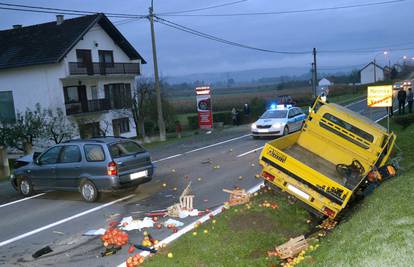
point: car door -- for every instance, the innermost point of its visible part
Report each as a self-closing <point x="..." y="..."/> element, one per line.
<point x="43" y="172"/>
<point x="291" y="120"/>
<point x="300" y="117"/>
<point x="69" y="167"/>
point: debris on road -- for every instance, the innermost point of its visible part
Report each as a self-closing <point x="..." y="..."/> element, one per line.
<point x="42" y="252"/>
<point x="185" y="207"/>
<point x="109" y="251"/>
<point x="216" y="167"/>
<point x="114" y="237"/>
<point x="129" y="224"/>
<point x="237" y="197"/>
<point x="328" y="224"/>
<point x="58" y="232"/>
<point x="208" y="161"/>
<point x="94" y="232"/>
<point x="173" y="223"/>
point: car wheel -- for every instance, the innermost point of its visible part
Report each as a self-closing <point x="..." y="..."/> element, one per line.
<point x="25" y="187"/>
<point x="89" y="191"/>
<point x="285" y="131"/>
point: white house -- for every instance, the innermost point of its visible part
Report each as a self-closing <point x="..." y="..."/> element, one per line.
<point x="325" y="82"/>
<point x="84" y="66"/>
<point x="371" y="73"/>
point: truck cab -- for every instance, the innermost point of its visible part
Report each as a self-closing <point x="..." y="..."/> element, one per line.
<point x="326" y="162"/>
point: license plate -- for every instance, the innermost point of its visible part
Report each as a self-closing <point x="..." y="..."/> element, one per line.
<point x="263" y="130"/>
<point x="138" y="175"/>
<point x="298" y="192"/>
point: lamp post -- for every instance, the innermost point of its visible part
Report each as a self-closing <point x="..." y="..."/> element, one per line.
<point x="385" y="53"/>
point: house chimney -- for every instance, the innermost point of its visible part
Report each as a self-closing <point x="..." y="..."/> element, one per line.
<point x="59" y="19"/>
<point x="17" y="26"/>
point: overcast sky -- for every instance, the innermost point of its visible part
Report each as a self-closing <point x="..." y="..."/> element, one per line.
<point x="385" y="26"/>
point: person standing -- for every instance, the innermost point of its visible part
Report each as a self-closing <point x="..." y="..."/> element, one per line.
<point x="410" y="99"/>
<point x="402" y="96"/>
<point x="234" y="116"/>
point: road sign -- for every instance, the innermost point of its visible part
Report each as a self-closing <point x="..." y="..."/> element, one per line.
<point x="205" y="115"/>
<point x="379" y="96"/>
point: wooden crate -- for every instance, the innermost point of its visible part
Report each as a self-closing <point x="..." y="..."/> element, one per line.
<point x="292" y="248"/>
<point x="237" y="196"/>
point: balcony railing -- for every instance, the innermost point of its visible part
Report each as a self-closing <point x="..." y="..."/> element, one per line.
<point x="97" y="68"/>
<point x="95" y="105"/>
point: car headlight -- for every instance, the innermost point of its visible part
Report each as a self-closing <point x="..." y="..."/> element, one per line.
<point x="277" y="125"/>
<point x="254" y="126"/>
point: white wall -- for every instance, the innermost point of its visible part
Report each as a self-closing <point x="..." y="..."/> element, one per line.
<point x="36" y="84"/>
<point x="97" y="35"/>
<point x="367" y="74"/>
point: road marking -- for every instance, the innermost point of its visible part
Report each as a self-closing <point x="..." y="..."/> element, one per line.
<point x="353" y="103"/>
<point x="38" y="230"/>
<point x="192" y="225"/>
<point x="170" y="157"/>
<point x="383" y="117"/>
<point x="201" y="148"/>
<point x="217" y="144"/>
<point x="20" y="200"/>
<point x="251" y="151"/>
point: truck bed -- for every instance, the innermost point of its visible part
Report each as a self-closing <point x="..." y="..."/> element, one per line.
<point x="315" y="162"/>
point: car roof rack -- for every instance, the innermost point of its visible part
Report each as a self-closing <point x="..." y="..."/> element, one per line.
<point x="83" y="141"/>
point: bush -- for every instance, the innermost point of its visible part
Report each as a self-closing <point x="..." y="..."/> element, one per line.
<point x="404" y="120"/>
<point x="193" y="122"/>
<point x="224" y="117"/>
<point x="257" y="107"/>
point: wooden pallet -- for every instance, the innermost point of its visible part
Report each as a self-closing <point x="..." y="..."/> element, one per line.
<point x="237" y="196"/>
<point x="292" y="248"/>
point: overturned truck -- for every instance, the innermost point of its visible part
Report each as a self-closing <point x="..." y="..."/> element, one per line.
<point x="335" y="156"/>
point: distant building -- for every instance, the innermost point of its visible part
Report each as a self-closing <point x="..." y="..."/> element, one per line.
<point x="325" y="82"/>
<point x="371" y="73"/>
<point x="83" y="66"/>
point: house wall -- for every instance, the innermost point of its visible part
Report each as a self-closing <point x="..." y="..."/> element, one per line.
<point x="44" y="84"/>
<point x="367" y="74"/>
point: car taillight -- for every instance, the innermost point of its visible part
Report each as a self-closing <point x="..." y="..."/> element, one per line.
<point x="328" y="212"/>
<point x="112" y="168"/>
<point x="268" y="176"/>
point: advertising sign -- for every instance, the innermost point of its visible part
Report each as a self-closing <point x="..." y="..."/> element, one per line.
<point x="379" y="96"/>
<point x="205" y="114"/>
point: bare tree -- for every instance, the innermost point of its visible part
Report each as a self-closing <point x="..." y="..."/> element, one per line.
<point x="58" y="128"/>
<point x="142" y="93"/>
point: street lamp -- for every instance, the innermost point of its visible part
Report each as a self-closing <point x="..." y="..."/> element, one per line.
<point x="385" y="53"/>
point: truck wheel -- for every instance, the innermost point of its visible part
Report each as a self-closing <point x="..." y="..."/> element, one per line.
<point x="25" y="187"/>
<point x="89" y="191"/>
<point x="285" y="131"/>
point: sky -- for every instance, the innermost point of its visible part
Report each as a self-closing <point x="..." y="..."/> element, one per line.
<point x="383" y="27"/>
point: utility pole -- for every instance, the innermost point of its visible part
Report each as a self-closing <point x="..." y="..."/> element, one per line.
<point x="161" y="124"/>
<point x="375" y="71"/>
<point x="315" y="81"/>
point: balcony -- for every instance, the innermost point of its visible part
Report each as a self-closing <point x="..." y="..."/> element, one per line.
<point x="95" y="105"/>
<point x="96" y="68"/>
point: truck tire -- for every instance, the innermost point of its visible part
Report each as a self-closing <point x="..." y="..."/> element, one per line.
<point x="88" y="191"/>
<point x="25" y="187"/>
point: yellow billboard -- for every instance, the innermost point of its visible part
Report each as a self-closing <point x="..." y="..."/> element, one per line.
<point x="379" y="96"/>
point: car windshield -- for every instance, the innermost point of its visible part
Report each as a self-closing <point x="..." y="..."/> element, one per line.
<point x="274" y="114"/>
<point x="124" y="149"/>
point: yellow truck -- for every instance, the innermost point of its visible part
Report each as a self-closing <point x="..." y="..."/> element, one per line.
<point x="335" y="154"/>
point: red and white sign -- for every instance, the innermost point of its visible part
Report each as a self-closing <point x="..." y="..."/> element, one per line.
<point x="205" y="114"/>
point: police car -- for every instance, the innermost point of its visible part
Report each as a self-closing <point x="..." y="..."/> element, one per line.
<point x="278" y="120"/>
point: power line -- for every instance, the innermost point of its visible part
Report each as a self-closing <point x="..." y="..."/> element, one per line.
<point x="221" y="40"/>
<point x="290" y="11"/>
<point x="41" y="9"/>
<point x="203" y="8"/>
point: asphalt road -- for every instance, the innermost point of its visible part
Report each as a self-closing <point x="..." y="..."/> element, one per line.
<point x="210" y="161"/>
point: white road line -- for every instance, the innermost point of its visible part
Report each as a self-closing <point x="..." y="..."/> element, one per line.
<point x="35" y="231"/>
<point x="383" y="117"/>
<point x="20" y="200"/>
<point x="217" y="144"/>
<point x="353" y="103"/>
<point x="201" y="148"/>
<point x="191" y="226"/>
<point x="170" y="157"/>
<point x="251" y="151"/>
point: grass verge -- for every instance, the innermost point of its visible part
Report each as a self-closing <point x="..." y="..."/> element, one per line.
<point x="240" y="236"/>
<point x="379" y="232"/>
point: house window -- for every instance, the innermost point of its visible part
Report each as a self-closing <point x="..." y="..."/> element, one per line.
<point x="7" y="107"/>
<point x="71" y="94"/>
<point x="107" y="57"/>
<point x="94" y="92"/>
<point x="119" y="94"/>
<point x="83" y="56"/>
<point x="120" y="125"/>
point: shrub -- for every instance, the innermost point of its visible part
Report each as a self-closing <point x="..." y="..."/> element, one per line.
<point x="404" y="120"/>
